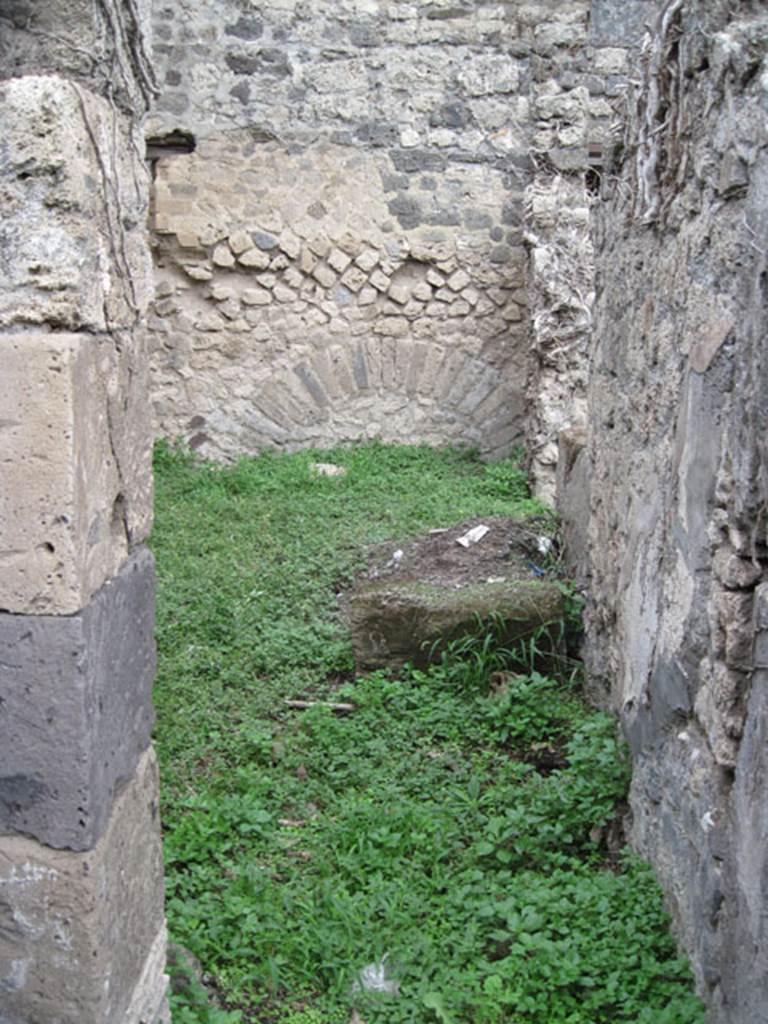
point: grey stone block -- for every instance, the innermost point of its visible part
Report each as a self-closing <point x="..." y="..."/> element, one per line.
<point x="376" y="134"/>
<point x="408" y="161"/>
<point x="360" y="368"/>
<point x="269" y="61"/>
<point x="312" y="384"/>
<point x="395" y="182"/>
<point x="439" y="218"/>
<point x="241" y="92"/>
<point x="407" y="211"/>
<point x="245" y="28"/>
<point x="265" y="241"/>
<point x="242" y="65"/>
<point x="450" y="115"/>
<point x="75" y="699"/>
<point x="620" y="22"/>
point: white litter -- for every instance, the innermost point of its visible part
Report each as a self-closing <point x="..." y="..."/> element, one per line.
<point x="376" y="978"/>
<point x="395" y="560"/>
<point x="544" y="544"/>
<point x="326" y="469"/>
<point x="473" y="536"/>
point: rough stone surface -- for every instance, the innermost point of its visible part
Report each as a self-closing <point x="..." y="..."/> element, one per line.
<point x="613" y="22"/>
<point x="149" y="1003"/>
<point x="572" y="491"/>
<point x="299" y="355"/>
<point x="82" y="936"/>
<point x="75" y="471"/>
<point x="100" y="46"/>
<point x="679" y="483"/>
<point x="393" y="622"/>
<point x="561" y="295"/>
<point x="369" y="150"/>
<point x="73" y="187"/>
<point x="75" y="694"/>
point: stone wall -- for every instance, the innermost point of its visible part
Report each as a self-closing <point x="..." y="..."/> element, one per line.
<point x="82" y="933"/>
<point x="343" y="254"/>
<point x="577" y="110"/>
<point x="295" y="308"/>
<point x="679" y="481"/>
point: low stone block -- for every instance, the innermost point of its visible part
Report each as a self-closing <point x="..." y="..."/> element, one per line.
<point x="75" y="694"/>
<point x="393" y="622"/>
<point x="73" y="235"/>
<point x="76" y="477"/>
<point x="82" y="935"/>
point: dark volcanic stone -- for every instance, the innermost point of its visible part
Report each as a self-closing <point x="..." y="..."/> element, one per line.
<point x="75" y="709"/>
<point x="245" y="28"/>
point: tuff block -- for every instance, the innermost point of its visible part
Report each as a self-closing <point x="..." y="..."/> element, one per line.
<point x="73" y="189"/>
<point x="75" y="707"/>
<point x="75" y="469"/>
<point x="82" y="935"/>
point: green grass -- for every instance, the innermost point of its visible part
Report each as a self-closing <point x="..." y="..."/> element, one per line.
<point x="428" y="826"/>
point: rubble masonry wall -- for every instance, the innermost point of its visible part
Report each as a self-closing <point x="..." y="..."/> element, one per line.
<point x="344" y="254"/>
<point x="676" y="547"/>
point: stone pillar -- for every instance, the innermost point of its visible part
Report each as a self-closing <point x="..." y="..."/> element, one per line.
<point x="82" y="932"/>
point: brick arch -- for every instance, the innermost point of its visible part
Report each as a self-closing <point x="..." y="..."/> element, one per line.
<point x="395" y="389"/>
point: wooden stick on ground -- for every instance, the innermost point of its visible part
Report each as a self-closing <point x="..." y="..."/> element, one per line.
<point x="302" y="705"/>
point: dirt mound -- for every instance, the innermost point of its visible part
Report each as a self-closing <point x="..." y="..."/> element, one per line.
<point x="510" y="550"/>
<point x="414" y="599"/>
